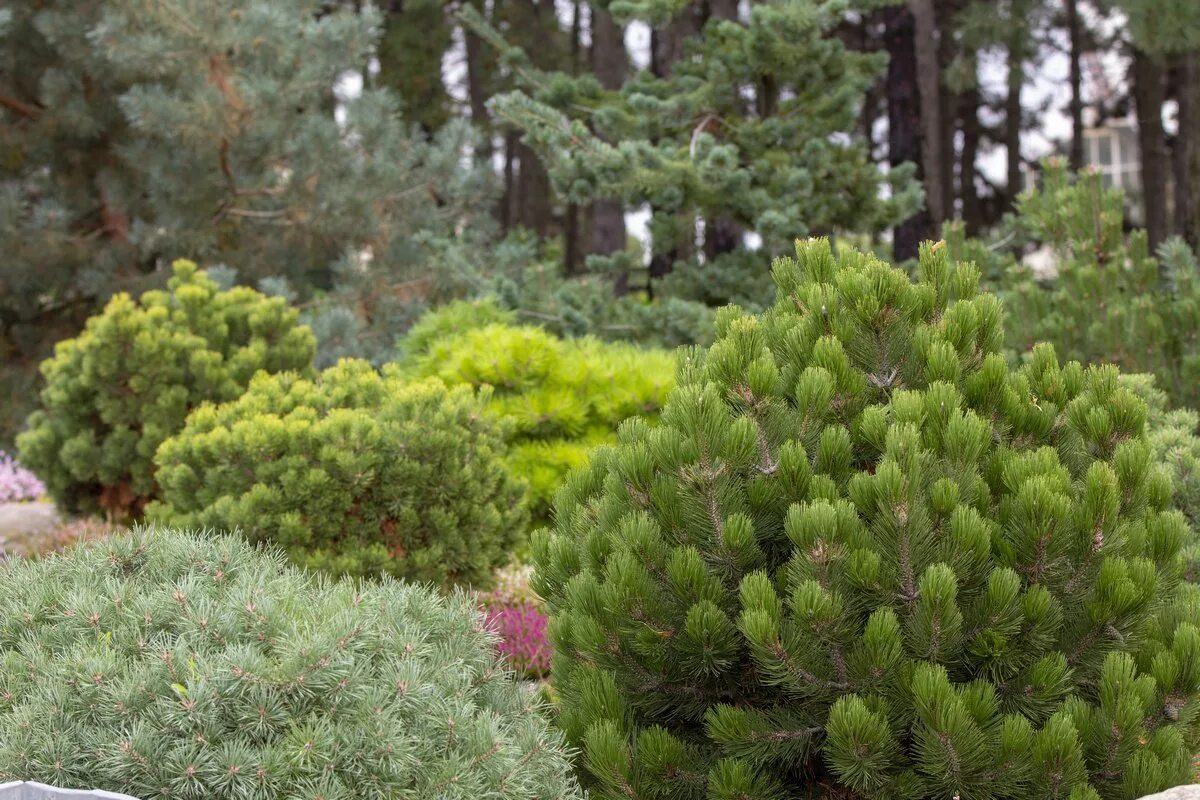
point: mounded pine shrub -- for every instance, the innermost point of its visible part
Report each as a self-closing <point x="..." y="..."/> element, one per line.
<point x="1172" y="433"/>
<point x="127" y="382"/>
<point x="354" y="472"/>
<point x="860" y="557"/>
<point x="161" y="664"/>
<point x="562" y="396"/>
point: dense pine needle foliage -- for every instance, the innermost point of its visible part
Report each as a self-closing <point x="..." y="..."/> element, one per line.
<point x="354" y="472"/>
<point x="127" y="382"/>
<point x="561" y="397"/>
<point x="860" y="557"/>
<point x="161" y="664"/>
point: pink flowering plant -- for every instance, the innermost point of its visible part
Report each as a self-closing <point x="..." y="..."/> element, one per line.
<point x="522" y="631"/>
<point x="515" y="613"/>
<point x="17" y="484"/>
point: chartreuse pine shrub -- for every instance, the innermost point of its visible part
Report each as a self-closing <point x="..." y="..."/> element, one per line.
<point x="162" y="664"/>
<point x="563" y="397"/>
<point x="127" y="382"/>
<point x="354" y="472"/>
<point x="860" y="557"/>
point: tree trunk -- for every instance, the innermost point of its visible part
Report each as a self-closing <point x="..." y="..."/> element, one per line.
<point x="904" y="121"/>
<point x="1075" y="32"/>
<point x="1192" y="87"/>
<point x="609" y="63"/>
<point x="478" y="68"/>
<point x="1187" y="89"/>
<point x="972" y="211"/>
<point x="667" y="43"/>
<point x="948" y="102"/>
<point x="534" y="207"/>
<point x="667" y="46"/>
<point x="573" y="220"/>
<point x="1012" y="120"/>
<point x="723" y="9"/>
<point x="929" y="91"/>
<point x="508" y="201"/>
<point x="1148" y="96"/>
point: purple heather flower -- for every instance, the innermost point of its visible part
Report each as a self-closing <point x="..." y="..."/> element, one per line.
<point x="522" y="630"/>
<point x="16" y="482"/>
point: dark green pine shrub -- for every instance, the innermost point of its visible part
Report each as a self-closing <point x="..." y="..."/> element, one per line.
<point x="859" y="557"/>
<point x="355" y="473"/>
<point x="164" y="665"/>
<point x="563" y="397"/>
<point x="128" y="381"/>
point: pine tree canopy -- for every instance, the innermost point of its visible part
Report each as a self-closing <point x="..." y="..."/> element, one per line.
<point x="861" y="557"/>
<point x="134" y="133"/>
<point x="781" y="163"/>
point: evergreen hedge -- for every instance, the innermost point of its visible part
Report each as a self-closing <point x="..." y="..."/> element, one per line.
<point x="861" y="557"/>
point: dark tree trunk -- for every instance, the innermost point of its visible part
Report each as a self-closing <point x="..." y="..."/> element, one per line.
<point x="972" y="211"/>
<point x="1148" y="96"/>
<point x="609" y="63"/>
<point x="929" y="92"/>
<point x="904" y="120"/>
<point x="724" y="235"/>
<point x="477" y="94"/>
<point x="667" y="46"/>
<point x="1012" y="123"/>
<point x="667" y="43"/>
<point x="478" y="68"/>
<point x="1187" y="89"/>
<point x="723" y="9"/>
<point x="534" y="197"/>
<point x="508" y="201"/>
<point x="573" y="220"/>
<point x="1075" y="32"/>
<point x="947" y="112"/>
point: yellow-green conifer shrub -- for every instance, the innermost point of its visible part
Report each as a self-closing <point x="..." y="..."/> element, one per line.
<point x="562" y="396"/>
<point x="198" y="667"/>
<point x="354" y="472"/>
<point x="860" y="557"/>
<point x="127" y="382"/>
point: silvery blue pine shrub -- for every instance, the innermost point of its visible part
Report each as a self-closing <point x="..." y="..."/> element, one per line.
<point x="860" y="557"/>
<point x="355" y="472"/>
<point x="113" y="393"/>
<point x="164" y="664"/>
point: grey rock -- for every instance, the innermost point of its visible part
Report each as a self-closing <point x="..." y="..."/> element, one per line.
<point x="1178" y="793"/>
<point x="22" y="790"/>
<point x="22" y="525"/>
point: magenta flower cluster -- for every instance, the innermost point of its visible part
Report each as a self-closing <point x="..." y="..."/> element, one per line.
<point x="16" y="482"/>
<point x="522" y="630"/>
